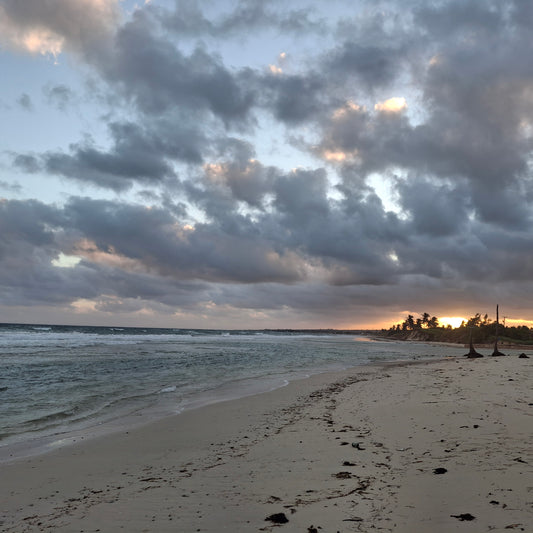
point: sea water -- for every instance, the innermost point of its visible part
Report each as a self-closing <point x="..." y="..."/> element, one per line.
<point x="58" y="379"/>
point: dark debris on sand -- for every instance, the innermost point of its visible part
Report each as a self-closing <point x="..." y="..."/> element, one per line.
<point x="463" y="517"/>
<point x="277" y="518"/>
<point x="342" y="475"/>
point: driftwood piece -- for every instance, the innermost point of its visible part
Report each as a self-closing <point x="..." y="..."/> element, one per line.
<point x="472" y="354"/>
<point x="496" y="352"/>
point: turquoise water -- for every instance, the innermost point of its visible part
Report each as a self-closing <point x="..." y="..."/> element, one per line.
<point x="55" y="379"/>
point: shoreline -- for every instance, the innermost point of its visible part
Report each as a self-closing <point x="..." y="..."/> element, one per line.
<point x="27" y="448"/>
<point x="333" y="451"/>
<point x="42" y="442"/>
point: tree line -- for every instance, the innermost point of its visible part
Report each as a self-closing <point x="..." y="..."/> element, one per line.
<point x="480" y="328"/>
<point x="410" y="324"/>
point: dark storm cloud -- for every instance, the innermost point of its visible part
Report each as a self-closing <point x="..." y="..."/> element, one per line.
<point x="28" y="277"/>
<point x="295" y="99"/>
<point x="27" y="245"/>
<point x="378" y="140"/>
<point x="27" y="221"/>
<point x="156" y="240"/>
<point x="115" y="170"/>
<point x="158" y="77"/>
<point x="141" y="154"/>
<point x="475" y="126"/>
<point x="373" y="66"/>
<point x="475" y="83"/>
<point x="33" y="234"/>
<point x="478" y="94"/>
<point x="246" y="181"/>
<point x="351" y="239"/>
<point x="237" y="177"/>
<point x="144" y="253"/>
<point x="435" y="210"/>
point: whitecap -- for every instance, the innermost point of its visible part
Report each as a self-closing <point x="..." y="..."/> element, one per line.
<point x="172" y="388"/>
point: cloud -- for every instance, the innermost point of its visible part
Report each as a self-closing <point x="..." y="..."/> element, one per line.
<point x="159" y="78"/>
<point x="433" y="100"/>
<point x="245" y="181"/>
<point x="246" y="18"/>
<point x="24" y="101"/>
<point x="373" y="66"/>
<point x="51" y="27"/>
<point x="295" y="99"/>
<point x="465" y="20"/>
<point x="12" y="187"/>
<point x="294" y="256"/>
<point x="59" y="96"/>
<point x="396" y="104"/>
<point x="152" y="237"/>
<point x="435" y="209"/>
<point x="26" y="162"/>
<point x="138" y="154"/>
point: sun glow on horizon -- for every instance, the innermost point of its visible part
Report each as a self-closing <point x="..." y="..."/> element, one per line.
<point x="453" y="321"/>
<point x="515" y="322"/>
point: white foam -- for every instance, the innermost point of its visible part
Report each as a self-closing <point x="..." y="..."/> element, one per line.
<point x="171" y="388"/>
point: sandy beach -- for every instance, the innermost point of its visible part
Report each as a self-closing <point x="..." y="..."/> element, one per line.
<point x="436" y="446"/>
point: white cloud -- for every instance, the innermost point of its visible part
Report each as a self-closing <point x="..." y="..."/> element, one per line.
<point x="346" y="109"/>
<point x="275" y="69"/>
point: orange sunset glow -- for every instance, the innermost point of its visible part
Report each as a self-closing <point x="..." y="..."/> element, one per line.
<point x="453" y="321"/>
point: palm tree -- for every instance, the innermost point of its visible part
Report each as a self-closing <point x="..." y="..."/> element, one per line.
<point x="433" y="322"/>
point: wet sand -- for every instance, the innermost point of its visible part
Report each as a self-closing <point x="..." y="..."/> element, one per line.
<point x="438" y="446"/>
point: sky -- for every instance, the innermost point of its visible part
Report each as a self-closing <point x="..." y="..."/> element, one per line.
<point x="263" y="163"/>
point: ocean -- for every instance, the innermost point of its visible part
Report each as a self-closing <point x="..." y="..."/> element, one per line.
<point x="59" y="381"/>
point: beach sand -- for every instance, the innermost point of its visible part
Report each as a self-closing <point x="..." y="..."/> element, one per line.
<point x="438" y="446"/>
